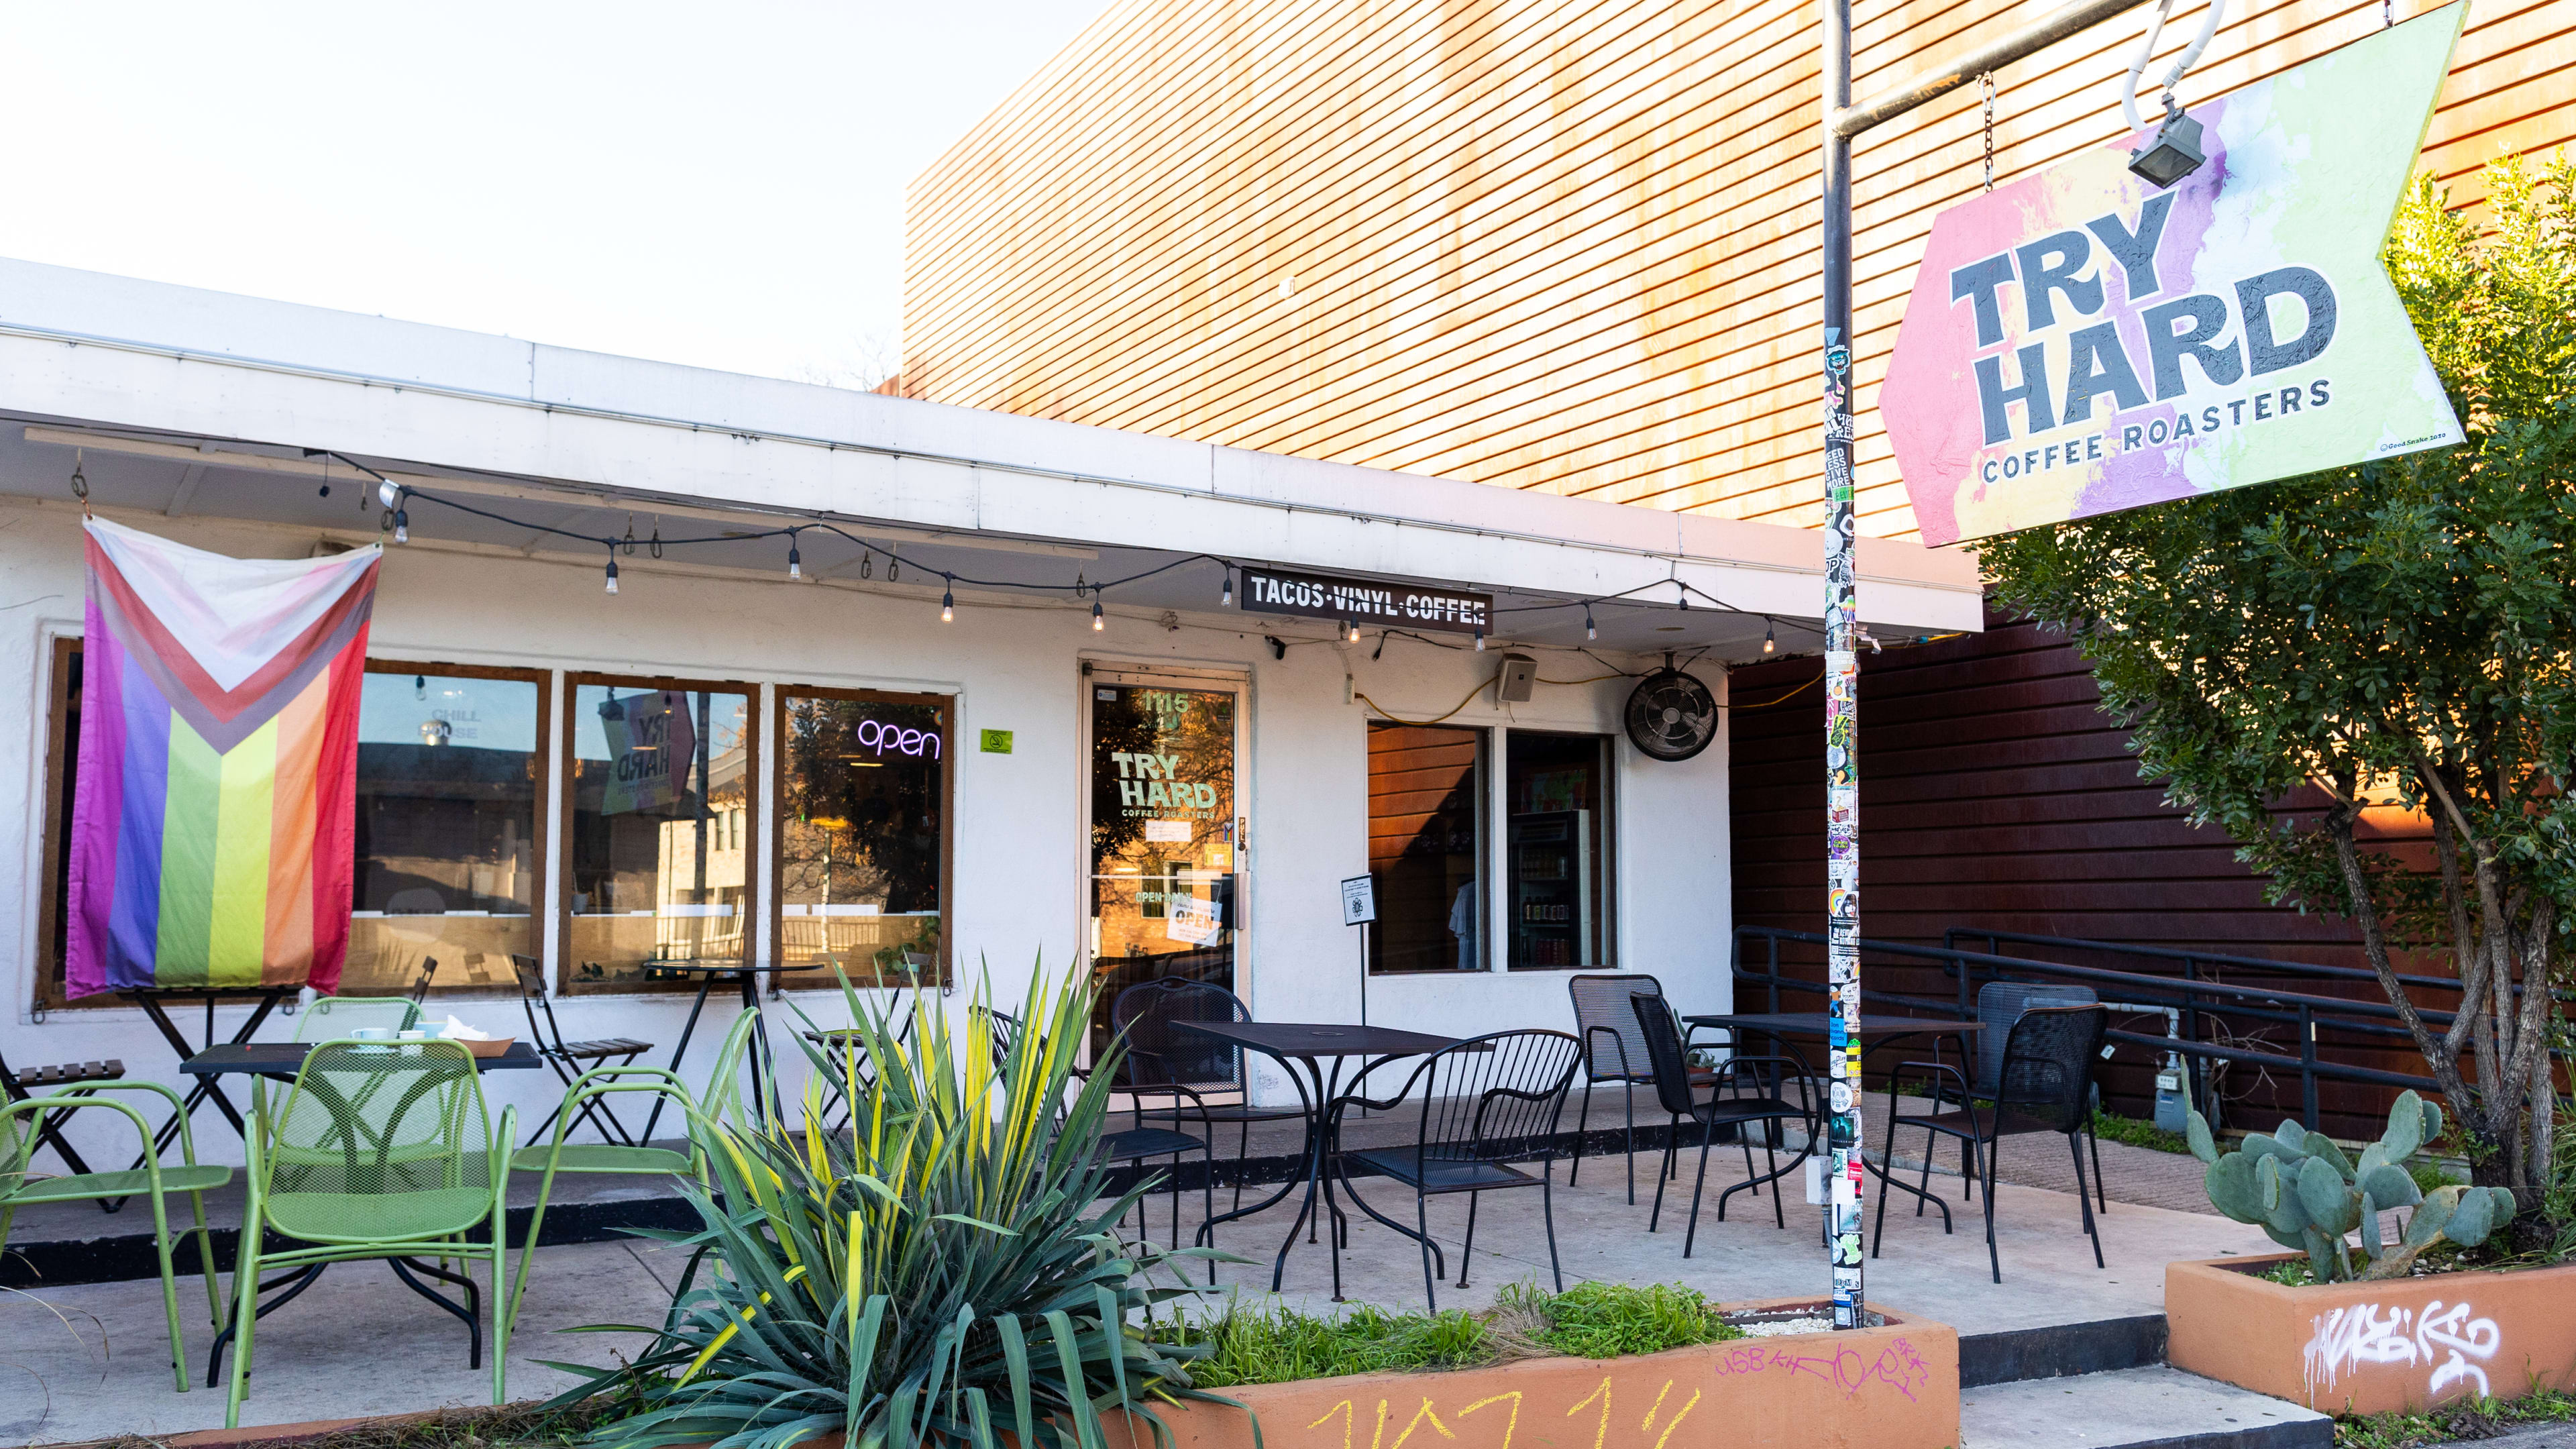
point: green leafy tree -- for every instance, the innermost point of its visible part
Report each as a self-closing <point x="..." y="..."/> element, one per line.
<point x="2397" y="637"/>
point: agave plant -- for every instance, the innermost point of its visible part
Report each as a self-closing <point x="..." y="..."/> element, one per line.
<point x="946" y="1273"/>
<point x="2304" y="1193"/>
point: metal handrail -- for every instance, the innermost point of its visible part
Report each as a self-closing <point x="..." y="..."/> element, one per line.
<point x="2192" y="994"/>
<point x="2191" y="959"/>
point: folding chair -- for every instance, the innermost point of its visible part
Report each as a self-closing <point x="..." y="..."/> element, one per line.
<point x="566" y="1057"/>
<point x="13" y="1088"/>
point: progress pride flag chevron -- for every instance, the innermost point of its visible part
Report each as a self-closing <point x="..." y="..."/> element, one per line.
<point x="213" y="816"/>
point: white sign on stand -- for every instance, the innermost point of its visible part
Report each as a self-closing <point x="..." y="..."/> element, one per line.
<point x="1359" y="907"/>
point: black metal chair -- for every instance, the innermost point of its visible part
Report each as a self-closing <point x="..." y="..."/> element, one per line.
<point x="1159" y="1056"/>
<point x="1729" y="1104"/>
<point x="1138" y="1144"/>
<point x="1999" y="1005"/>
<point x="1614" y="1053"/>
<point x="571" y="1058"/>
<point x="1487" y="1102"/>
<point x="2043" y="1082"/>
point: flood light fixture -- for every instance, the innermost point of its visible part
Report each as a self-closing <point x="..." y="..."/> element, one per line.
<point x="2175" y="152"/>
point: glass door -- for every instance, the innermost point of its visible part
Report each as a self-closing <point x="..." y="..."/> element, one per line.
<point x="1166" y="826"/>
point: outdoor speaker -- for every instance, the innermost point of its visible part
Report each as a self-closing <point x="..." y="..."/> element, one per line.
<point x="1518" y="677"/>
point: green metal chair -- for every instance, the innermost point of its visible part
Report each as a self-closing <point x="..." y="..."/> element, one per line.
<point x="380" y="1150"/>
<point x="20" y="1186"/>
<point x="331" y="1018"/>
<point x="724" y="1090"/>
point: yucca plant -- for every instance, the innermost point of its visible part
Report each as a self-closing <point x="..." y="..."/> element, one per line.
<point x="946" y="1273"/>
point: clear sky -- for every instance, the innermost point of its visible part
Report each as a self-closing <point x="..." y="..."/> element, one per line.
<point x="712" y="184"/>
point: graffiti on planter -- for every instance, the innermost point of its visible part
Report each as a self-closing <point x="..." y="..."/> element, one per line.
<point x="1898" y="1366"/>
<point x="2441" y="1339"/>
<point x="1649" y="1435"/>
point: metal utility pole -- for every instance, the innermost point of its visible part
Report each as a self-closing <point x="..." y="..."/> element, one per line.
<point x="1842" y="122"/>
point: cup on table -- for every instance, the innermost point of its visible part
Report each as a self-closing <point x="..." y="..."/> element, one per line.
<point x="371" y="1033"/>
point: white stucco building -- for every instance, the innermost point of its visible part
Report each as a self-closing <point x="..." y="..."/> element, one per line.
<point x="1166" y="775"/>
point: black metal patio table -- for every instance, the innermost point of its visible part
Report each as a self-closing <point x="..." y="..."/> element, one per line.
<point x="747" y="974"/>
<point x="281" y="1059"/>
<point x="1312" y="1045"/>
<point x="1876" y="1031"/>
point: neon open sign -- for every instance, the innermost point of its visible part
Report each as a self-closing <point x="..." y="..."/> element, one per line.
<point x="895" y="739"/>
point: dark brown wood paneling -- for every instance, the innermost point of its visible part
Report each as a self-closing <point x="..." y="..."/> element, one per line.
<point x="1997" y="795"/>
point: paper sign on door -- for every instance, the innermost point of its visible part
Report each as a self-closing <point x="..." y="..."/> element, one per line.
<point x="1192" y="921"/>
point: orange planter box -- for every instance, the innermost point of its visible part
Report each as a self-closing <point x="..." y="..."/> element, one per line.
<point x="1895" y="1386"/>
<point x="2368" y="1348"/>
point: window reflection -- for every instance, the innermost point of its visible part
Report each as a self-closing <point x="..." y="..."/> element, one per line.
<point x="446" y="829"/>
<point x="1556" y="789"/>
<point x="1425" y="839"/>
<point x="659" y="830"/>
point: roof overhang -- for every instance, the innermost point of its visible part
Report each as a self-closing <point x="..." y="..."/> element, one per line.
<point x="202" y="402"/>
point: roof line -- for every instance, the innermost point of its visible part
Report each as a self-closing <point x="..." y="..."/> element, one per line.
<point x="328" y="374"/>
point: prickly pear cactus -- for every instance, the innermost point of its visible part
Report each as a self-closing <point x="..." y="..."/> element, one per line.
<point x="2306" y="1195"/>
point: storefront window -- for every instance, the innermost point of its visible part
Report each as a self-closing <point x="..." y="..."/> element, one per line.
<point x="658" y="829"/>
<point x="1556" y="789"/>
<point x="863" y="834"/>
<point x="448" y="844"/>
<point x="1426" y="843"/>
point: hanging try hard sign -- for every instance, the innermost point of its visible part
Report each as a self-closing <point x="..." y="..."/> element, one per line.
<point x="2083" y="341"/>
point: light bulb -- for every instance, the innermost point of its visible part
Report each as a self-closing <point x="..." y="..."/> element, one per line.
<point x="1099" y="621"/>
<point x="402" y="525"/>
<point x="795" y="560"/>
<point x="1589" y="632"/>
<point x="947" y="606"/>
<point x="1351" y="631"/>
<point x="612" y="573"/>
<point x="1227" y="598"/>
<point x="1768" y="644"/>
<point x="1480" y="638"/>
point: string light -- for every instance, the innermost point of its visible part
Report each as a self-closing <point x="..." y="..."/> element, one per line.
<point x="1768" y="643"/>
<point x="402" y="525"/>
<point x="1099" y="621"/>
<point x="1589" y="632"/>
<point x="1351" y="631"/>
<point x="948" y="603"/>
<point x="1227" y="598"/>
<point x="612" y="570"/>
<point x="1480" y="638"/>
<point x="795" y="561"/>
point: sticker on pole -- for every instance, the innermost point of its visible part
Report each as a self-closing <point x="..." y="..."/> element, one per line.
<point x="2083" y="341"/>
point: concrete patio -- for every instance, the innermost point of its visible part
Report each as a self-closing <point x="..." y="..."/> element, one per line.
<point x="89" y="1360"/>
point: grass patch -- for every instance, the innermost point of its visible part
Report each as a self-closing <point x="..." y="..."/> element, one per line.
<point x="2473" y="1419"/>
<point x="1613" y="1320"/>
<point x="1591" y="1320"/>
<point x="2138" y="1134"/>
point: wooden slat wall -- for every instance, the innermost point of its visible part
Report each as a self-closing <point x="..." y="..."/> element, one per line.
<point x="1536" y="245"/>
<point x="1996" y="794"/>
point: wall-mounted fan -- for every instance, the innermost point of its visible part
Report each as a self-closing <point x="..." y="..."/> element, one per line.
<point x="1671" y="716"/>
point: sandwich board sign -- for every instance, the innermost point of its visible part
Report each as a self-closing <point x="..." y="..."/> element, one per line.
<point x="2081" y="341"/>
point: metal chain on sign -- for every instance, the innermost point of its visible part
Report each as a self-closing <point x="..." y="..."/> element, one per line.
<point x="1986" y="84"/>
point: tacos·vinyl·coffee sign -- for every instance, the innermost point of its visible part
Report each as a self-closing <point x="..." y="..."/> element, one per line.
<point x="2080" y="341"/>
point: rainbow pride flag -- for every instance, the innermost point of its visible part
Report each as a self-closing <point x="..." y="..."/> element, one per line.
<point x="213" y="815"/>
